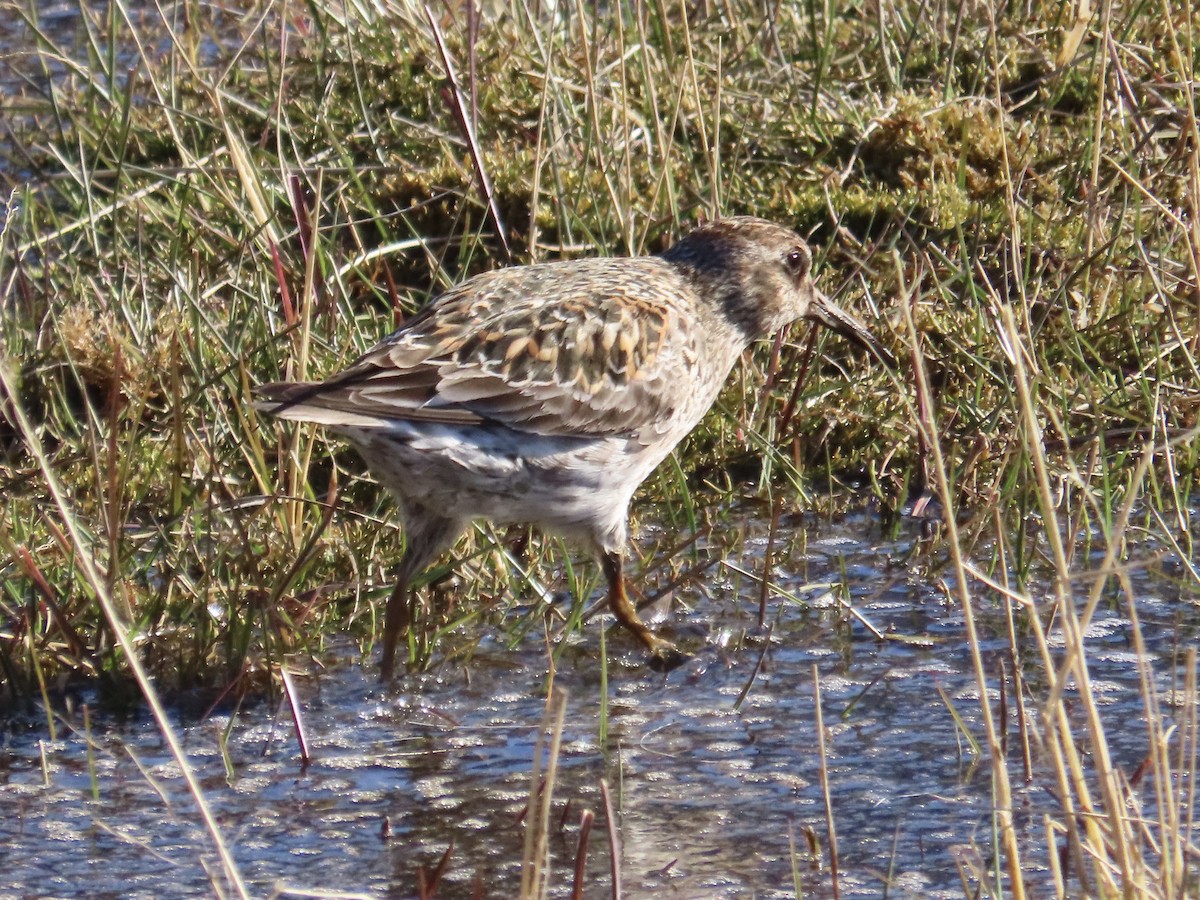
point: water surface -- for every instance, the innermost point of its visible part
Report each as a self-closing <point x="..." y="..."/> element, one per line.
<point x="708" y="793"/>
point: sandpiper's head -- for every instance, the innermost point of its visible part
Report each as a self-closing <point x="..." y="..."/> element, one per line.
<point x="759" y="275"/>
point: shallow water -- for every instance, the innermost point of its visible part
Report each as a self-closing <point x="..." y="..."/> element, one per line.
<point x="706" y="792"/>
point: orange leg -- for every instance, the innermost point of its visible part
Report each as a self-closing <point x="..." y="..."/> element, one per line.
<point x="428" y="535"/>
<point x="664" y="655"/>
<point x="396" y="621"/>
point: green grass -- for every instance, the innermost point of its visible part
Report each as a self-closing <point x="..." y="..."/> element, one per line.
<point x="1012" y="203"/>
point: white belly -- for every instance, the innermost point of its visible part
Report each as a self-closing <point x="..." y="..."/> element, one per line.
<point x="576" y="487"/>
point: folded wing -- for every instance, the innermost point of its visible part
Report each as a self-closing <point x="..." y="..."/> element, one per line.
<point x="590" y="361"/>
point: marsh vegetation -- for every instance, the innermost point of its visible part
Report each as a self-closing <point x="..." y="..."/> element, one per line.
<point x="199" y="198"/>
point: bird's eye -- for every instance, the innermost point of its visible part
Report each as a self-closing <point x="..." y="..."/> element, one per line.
<point x="798" y="262"/>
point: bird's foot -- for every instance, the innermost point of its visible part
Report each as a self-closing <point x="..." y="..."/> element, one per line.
<point x="665" y="656"/>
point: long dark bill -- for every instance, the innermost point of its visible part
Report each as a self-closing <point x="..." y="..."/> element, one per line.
<point x="832" y="316"/>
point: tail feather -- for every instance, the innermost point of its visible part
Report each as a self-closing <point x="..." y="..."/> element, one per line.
<point x="283" y="391"/>
<point x="309" y="401"/>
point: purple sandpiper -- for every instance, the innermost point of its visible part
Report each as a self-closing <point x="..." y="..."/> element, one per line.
<point x="545" y="394"/>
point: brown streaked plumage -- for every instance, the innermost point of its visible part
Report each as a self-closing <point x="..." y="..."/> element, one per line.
<point x="546" y="394"/>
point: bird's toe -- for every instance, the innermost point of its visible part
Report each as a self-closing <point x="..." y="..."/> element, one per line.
<point x="666" y="656"/>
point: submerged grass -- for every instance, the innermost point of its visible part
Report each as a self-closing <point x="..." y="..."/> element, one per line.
<point x="202" y="198"/>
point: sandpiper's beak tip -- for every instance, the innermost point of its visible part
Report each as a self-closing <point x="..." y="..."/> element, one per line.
<point x="824" y="310"/>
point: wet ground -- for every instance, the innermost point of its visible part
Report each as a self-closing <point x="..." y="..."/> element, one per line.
<point x="713" y="770"/>
<point x="708" y="793"/>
